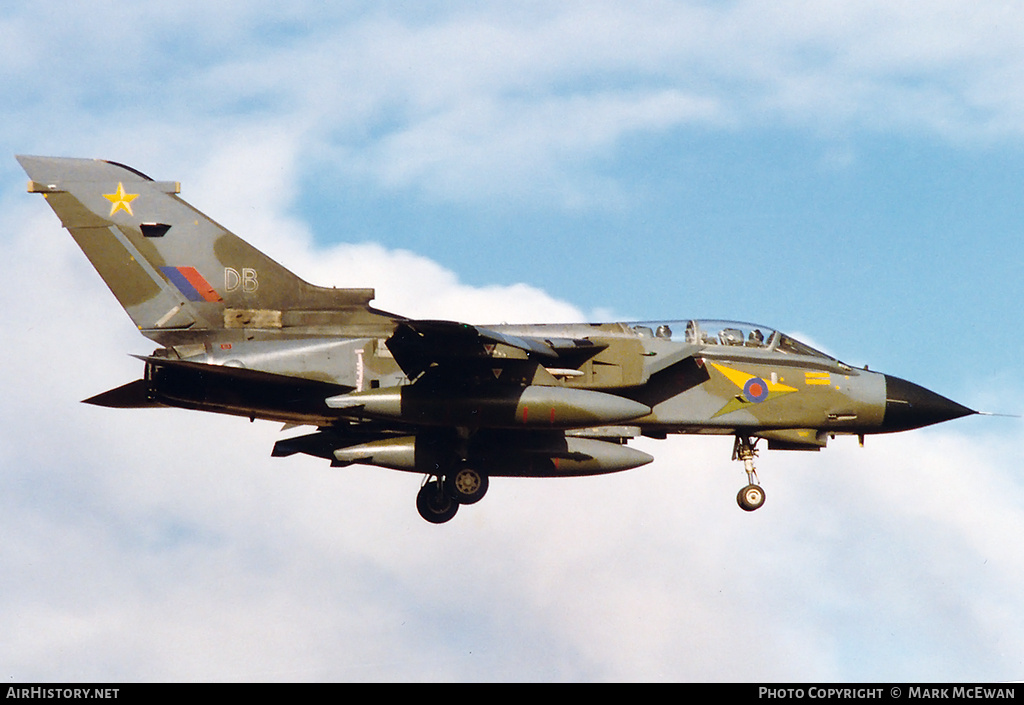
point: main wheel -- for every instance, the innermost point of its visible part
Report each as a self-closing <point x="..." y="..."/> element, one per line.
<point x="466" y="485"/>
<point x="750" y="498"/>
<point x="434" y="504"/>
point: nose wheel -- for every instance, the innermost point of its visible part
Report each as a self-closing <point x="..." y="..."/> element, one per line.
<point x="750" y="497"/>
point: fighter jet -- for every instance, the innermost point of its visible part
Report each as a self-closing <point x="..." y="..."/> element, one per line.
<point x="456" y="403"/>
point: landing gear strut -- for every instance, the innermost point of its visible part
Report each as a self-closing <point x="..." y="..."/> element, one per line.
<point x="750" y="497"/>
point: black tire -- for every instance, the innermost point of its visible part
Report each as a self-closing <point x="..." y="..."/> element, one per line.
<point x="750" y="498"/>
<point x="466" y="485"/>
<point x="434" y="504"/>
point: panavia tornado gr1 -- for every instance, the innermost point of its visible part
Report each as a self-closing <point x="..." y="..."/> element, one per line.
<point x="457" y="403"/>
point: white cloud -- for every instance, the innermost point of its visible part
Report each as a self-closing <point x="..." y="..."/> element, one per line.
<point x="168" y="545"/>
<point x="248" y="185"/>
<point x="482" y="102"/>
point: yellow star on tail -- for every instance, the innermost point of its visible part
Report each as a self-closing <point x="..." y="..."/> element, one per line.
<point x="120" y="201"/>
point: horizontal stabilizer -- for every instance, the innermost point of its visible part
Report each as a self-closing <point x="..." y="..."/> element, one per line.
<point x="134" y="395"/>
<point x="242" y="374"/>
<point x="241" y="392"/>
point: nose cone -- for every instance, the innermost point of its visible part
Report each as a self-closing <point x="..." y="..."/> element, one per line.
<point x="908" y="405"/>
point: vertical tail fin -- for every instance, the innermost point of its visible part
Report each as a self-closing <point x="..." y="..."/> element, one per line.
<point x="173" y="269"/>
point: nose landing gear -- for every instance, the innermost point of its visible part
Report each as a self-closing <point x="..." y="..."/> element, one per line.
<point x="750" y="497"/>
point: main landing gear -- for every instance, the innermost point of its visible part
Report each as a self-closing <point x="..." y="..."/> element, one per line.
<point x="750" y="497"/>
<point x="440" y="496"/>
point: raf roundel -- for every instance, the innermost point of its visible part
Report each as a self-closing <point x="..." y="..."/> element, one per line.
<point x="755" y="390"/>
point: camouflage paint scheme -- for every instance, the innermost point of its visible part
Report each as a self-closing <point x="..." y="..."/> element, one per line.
<point x="240" y="334"/>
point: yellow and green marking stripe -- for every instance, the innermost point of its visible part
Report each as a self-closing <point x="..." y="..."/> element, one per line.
<point x="753" y="389"/>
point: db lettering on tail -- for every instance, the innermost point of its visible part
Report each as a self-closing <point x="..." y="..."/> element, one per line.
<point x="247" y="280"/>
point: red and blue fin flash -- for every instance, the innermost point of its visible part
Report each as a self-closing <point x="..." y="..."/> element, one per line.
<point x="191" y="283"/>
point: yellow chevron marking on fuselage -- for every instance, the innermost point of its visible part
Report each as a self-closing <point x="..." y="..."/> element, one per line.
<point x="740" y="379"/>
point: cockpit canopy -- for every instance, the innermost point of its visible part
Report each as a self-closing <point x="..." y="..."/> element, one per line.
<point x="728" y="333"/>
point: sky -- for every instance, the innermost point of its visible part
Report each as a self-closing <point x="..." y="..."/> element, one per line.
<point x="848" y="172"/>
